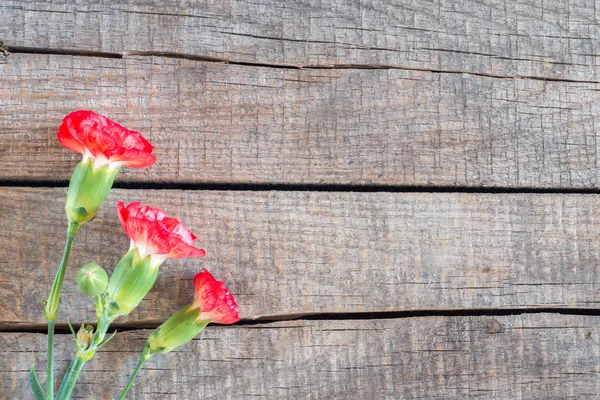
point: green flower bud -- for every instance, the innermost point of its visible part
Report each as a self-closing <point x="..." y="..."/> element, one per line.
<point x="179" y="329"/>
<point x="92" y="279"/>
<point x="88" y="188"/>
<point x="130" y="282"/>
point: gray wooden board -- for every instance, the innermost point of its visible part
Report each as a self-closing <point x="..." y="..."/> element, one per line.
<point x="213" y="122"/>
<point x="293" y="253"/>
<point x="542" y="356"/>
<point x="463" y="93"/>
<point x="554" y="39"/>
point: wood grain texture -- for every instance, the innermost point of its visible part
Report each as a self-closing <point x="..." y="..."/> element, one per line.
<point x="293" y="253"/>
<point x="543" y="356"/>
<point x="214" y="122"/>
<point x="469" y="93"/>
<point x="553" y="39"/>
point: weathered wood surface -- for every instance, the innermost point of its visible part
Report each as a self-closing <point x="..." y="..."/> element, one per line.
<point x="554" y="39"/>
<point x="543" y="356"/>
<point x="294" y="253"/>
<point x="214" y="122"/>
<point x="424" y="93"/>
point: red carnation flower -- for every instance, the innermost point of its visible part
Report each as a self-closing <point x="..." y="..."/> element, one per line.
<point x="214" y="300"/>
<point x="155" y="234"/>
<point x="212" y="303"/>
<point x="104" y="141"/>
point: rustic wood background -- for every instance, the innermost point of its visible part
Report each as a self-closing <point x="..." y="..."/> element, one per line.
<point x="402" y="195"/>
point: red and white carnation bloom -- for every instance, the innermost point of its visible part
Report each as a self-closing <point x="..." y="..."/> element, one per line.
<point x="215" y="302"/>
<point x="104" y="141"/>
<point x="156" y="235"/>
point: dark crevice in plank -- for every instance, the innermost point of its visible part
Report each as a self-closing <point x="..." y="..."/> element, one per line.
<point x="358" y="316"/>
<point x="449" y="71"/>
<point x="60" y="52"/>
<point x="284" y="187"/>
<point x="207" y="59"/>
<point x="82" y="53"/>
<point x="69" y="52"/>
<point x="34" y="183"/>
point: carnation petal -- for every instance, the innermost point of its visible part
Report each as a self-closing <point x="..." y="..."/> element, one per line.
<point x="95" y="135"/>
<point x="180" y="249"/>
<point x="67" y="140"/>
<point x="131" y="160"/>
<point x="156" y="234"/>
<point x="214" y="300"/>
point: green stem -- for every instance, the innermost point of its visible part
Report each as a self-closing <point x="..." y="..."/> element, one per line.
<point x="101" y="329"/>
<point x="70" y="379"/>
<point x="143" y="359"/>
<point x="50" y="366"/>
<point x="51" y="307"/>
<point x="98" y="306"/>
<point x="68" y="382"/>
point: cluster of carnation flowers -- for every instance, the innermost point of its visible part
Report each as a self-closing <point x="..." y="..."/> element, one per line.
<point x="107" y="146"/>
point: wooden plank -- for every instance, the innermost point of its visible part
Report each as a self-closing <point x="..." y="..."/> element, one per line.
<point x="215" y="122"/>
<point x="554" y="39"/>
<point x="296" y="253"/>
<point x="543" y="356"/>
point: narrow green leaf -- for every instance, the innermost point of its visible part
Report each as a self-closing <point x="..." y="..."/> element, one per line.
<point x="71" y="328"/>
<point x="37" y="389"/>
<point x="106" y="341"/>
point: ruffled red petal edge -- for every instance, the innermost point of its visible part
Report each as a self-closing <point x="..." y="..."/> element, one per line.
<point x="167" y="236"/>
<point x="133" y="156"/>
<point x="64" y="135"/>
<point x="216" y="302"/>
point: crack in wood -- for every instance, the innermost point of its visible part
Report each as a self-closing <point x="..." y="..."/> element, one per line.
<point x="124" y="55"/>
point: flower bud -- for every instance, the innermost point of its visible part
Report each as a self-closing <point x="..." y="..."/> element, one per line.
<point x="92" y="279"/>
<point x="179" y="329"/>
<point x="88" y="188"/>
<point x="129" y="283"/>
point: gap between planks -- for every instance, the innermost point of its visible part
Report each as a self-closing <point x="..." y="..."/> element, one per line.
<point x="286" y="187"/>
<point x="63" y="328"/>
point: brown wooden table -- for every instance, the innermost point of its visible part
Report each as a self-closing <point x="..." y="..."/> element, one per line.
<point x="402" y="195"/>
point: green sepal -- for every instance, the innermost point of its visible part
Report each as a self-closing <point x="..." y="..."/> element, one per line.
<point x="86" y="348"/>
<point x="88" y="188"/>
<point x="51" y="307"/>
<point x="36" y="387"/>
<point x="130" y="282"/>
<point x="179" y="329"/>
<point x="84" y="337"/>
